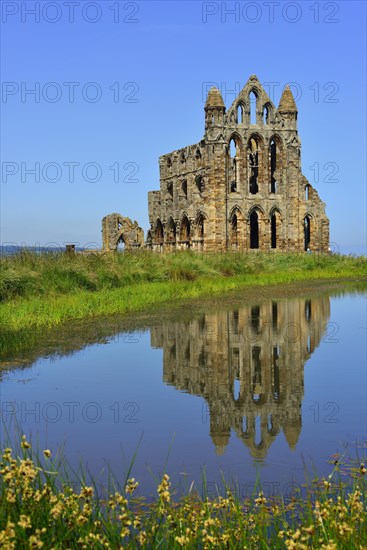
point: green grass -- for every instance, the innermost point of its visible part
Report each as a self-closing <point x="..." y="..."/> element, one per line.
<point x="40" y="509"/>
<point x="46" y="290"/>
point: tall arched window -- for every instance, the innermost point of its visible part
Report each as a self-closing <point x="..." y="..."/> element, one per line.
<point x="199" y="183"/>
<point x="253" y="105"/>
<point x="254" y="230"/>
<point x="234" y="230"/>
<point x="233" y="167"/>
<point x="200" y="227"/>
<point x="273" y="165"/>
<point x="266" y="114"/>
<point x="253" y="161"/>
<point x="307" y="232"/>
<point x="240" y="114"/>
<point x="185" y="230"/>
<point x="159" y="232"/>
<point x="184" y="188"/>
<point x="273" y="225"/>
<point x="171" y="231"/>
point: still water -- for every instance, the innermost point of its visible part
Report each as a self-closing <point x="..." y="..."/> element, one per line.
<point x="244" y="390"/>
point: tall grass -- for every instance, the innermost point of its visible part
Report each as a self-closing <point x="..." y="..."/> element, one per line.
<point x="40" y="509"/>
<point x="49" y="289"/>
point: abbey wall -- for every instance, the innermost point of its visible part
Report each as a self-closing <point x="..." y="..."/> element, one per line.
<point x="241" y="187"/>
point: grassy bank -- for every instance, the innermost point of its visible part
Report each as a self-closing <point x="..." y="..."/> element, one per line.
<point x="45" y="290"/>
<point x="39" y="509"/>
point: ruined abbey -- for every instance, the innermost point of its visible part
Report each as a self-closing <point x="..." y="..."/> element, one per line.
<point x="240" y="188"/>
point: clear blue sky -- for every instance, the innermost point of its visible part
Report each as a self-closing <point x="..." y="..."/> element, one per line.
<point x="160" y="56"/>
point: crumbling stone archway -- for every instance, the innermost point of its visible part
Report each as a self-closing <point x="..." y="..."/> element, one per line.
<point x="117" y="229"/>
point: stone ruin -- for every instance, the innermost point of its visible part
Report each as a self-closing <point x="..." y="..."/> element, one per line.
<point x="116" y="229"/>
<point x="240" y="187"/>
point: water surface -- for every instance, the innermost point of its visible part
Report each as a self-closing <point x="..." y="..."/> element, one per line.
<point x="243" y="389"/>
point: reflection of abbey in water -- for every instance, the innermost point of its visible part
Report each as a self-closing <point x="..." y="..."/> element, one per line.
<point x="248" y="365"/>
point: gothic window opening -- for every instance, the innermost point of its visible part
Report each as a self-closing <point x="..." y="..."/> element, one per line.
<point x="170" y="189"/>
<point x="184" y="188"/>
<point x="240" y="114"/>
<point x="185" y="230"/>
<point x="171" y="231"/>
<point x="199" y="183"/>
<point x="253" y="158"/>
<point x="159" y="232"/>
<point x="169" y="164"/>
<point x="266" y="115"/>
<point x="273" y="166"/>
<point x="200" y="227"/>
<point x="307" y="192"/>
<point x="273" y="226"/>
<point x="253" y="104"/>
<point x="121" y="244"/>
<point x="198" y="155"/>
<point x="307" y="232"/>
<point x="254" y="230"/>
<point x="234" y="230"/>
<point x="183" y="158"/>
<point x="233" y="166"/>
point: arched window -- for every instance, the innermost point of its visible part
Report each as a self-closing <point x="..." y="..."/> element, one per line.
<point x="183" y="158"/>
<point x="185" y="229"/>
<point x="254" y="230"/>
<point x="171" y="231"/>
<point x="121" y="246"/>
<point x="169" y="163"/>
<point x="253" y="162"/>
<point x="240" y="114"/>
<point x="199" y="180"/>
<point x="307" y="232"/>
<point x="273" y="225"/>
<point x="273" y="165"/>
<point x="200" y="227"/>
<point x="184" y="188"/>
<point x="233" y="166"/>
<point x="198" y="155"/>
<point x="253" y="105"/>
<point x="307" y="193"/>
<point x="234" y="230"/>
<point x="159" y="232"/>
<point x="266" y="114"/>
<point x="170" y="189"/>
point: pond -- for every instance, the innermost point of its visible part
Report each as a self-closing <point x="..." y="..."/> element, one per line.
<point x="240" y="390"/>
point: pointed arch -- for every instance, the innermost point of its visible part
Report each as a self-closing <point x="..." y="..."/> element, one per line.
<point x="199" y="181"/>
<point x="159" y="232"/>
<point x="240" y="110"/>
<point x="185" y="231"/>
<point x="275" y="163"/>
<point x="267" y="113"/>
<point x="307" y="231"/>
<point x="234" y="158"/>
<point x="184" y="187"/>
<point x="171" y="231"/>
<point x="253" y="98"/>
<point x="255" y="220"/>
<point x="255" y="145"/>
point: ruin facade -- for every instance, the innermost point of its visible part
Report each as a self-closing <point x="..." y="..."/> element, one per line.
<point x="241" y="187"/>
<point x="116" y="229"/>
